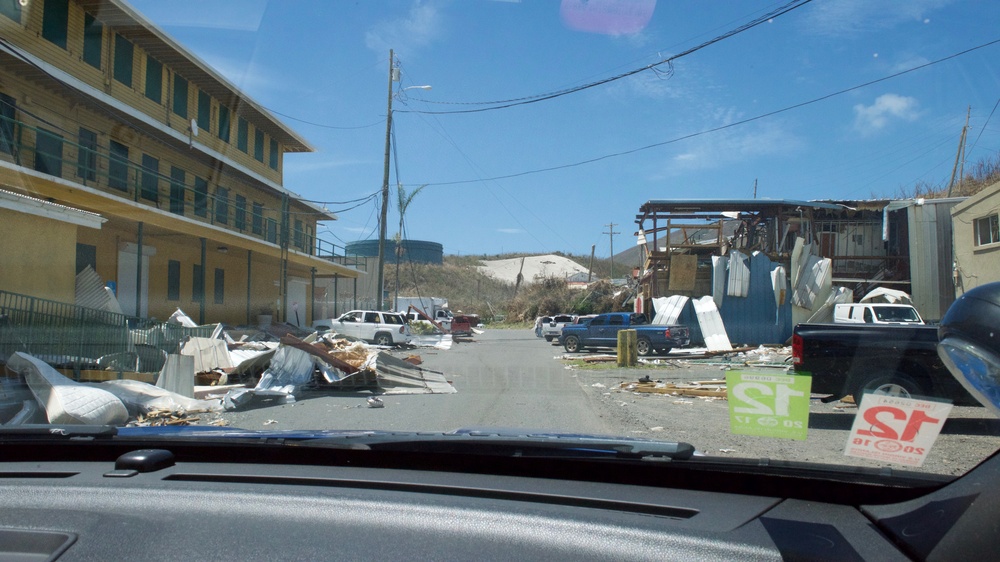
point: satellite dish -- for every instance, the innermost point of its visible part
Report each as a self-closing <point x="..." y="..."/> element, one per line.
<point x="194" y="127"/>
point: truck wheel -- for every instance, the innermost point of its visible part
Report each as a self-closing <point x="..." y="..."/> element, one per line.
<point x="571" y="344"/>
<point x="383" y="338"/>
<point x="645" y="347"/>
<point x="888" y="384"/>
<point x="549" y="339"/>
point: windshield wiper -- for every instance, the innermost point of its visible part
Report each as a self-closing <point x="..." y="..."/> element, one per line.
<point x="532" y="445"/>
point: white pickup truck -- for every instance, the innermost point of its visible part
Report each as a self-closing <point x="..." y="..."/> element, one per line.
<point x="380" y="328"/>
<point x="875" y="313"/>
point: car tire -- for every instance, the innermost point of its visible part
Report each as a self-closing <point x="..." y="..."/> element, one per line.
<point x="644" y="347"/>
<point x="383" y="338"/>
<point x="889" y="383"/>
<point x="571" y="344"/>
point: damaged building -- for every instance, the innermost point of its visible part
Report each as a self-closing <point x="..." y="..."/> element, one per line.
<point x="751" y="269"/>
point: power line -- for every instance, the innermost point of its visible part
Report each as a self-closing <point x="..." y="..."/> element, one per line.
<point x="721" y="127"/>
<point x="504" y="104"/>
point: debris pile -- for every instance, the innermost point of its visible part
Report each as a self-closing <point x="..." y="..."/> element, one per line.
<point x="207" y="375"/>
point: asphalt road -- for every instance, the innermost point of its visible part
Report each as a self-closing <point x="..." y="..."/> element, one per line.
<point x="511" y="379"/>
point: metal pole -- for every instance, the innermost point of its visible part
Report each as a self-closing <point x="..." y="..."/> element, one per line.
<point x="138" y="273"/>
<point x="380" y="279"/>
<point x="249" y="260"/>
<point x="204" y="273"/>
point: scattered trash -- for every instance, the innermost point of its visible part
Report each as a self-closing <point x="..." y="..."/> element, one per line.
<point x="270" y="422"/>
<point x="598" y="385"/>
<point x="657" y="428"/>
<point x="727" y="450"/>
<point x="375" y="402"/>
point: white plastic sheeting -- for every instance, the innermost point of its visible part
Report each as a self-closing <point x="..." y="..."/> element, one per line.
<point x="208" y="354"/>
<point x="712" y="328"/>
<point x="92" y="293"/>
<point x="668" y="309"/>
<point x="824" y="313"/>
<point x="142" y="398"/>
<point x="890" y="296"/>
<point x="739" y="275"/>
<point x="66" y="401"/>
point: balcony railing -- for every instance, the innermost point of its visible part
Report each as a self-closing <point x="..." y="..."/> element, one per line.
<point x="180" y="191"/>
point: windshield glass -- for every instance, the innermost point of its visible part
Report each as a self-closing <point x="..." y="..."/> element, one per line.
<point x="208" y="180"/>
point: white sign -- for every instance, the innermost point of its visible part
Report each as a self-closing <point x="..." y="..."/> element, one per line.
<point x="896" y="430"/>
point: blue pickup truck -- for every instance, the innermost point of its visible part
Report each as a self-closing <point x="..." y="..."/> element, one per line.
<point x="602" y="331"/>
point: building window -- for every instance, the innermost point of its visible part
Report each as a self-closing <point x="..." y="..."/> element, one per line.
<point x="272" y="231"/>
<point x="177" y="178"/>
<point x="55" y="21"/>
<point x="200" y="197"/>
<point x="154" y="79"/>
<point x="48" y="153"/>
<point x="240" y="218"/>
<point x="123" y="60"/>
<point x="118" y="166"/>
<point x="242" y="134"/>
<point x="11" y="9"/>
<point x="273" y="156"/>
<point x="93" y="40"/>
<point x="8" y="106"/>
<point x="224" y="123"/>
<point x="198" y="283"/>
<point x="220" y="286"/>
<point x="86" y="156"/>
<point x="149" y="185"/>
<point x="222" y="205"/>
<point x="180" y="96"/>
<point x="173" y="280"/>
<point x="258" y="145"/>
<point x="987" y="230"/>
<point x="257" y="219"/>
<point x="299" y="235"/>
<point x="204" y="112"/>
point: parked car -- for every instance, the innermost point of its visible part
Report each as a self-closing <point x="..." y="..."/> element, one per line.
<point x="602" y="331"/>
<point x="540" y="323"/>
<point x="380" y="328"/>
<point x="553" y="328"/>
<point x="872" y="313"/>
<point x="886" y="359"/>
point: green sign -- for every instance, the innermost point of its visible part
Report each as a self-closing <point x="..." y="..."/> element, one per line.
<point x="769" y="405"/>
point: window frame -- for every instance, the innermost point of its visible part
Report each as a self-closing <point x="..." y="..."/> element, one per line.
<point x="122" y="71"/>
<point x="55" y="22"/>
<point x="992" y="230"/>
<point x="93" y="41"/>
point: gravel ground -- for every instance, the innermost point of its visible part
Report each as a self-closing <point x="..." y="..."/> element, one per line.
<point x="969" y="435"/>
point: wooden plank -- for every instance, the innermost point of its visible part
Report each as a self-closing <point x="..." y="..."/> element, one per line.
<point x="683" y="271"/>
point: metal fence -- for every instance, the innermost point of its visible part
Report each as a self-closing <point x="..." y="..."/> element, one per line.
<point x="74" y="336"/>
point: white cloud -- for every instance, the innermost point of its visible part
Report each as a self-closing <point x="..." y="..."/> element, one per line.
<point x="870" y="119"/>
<point x="421" y="25"/>
<point x="846" y="17"/>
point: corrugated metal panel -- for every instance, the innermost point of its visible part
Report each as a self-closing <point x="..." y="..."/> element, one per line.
<point x="712" y="328"/>
<point x="719" y="264"/>
<point x="931" y="257"/>
<point x="757" y="319"/>
<point x="811" y="280"/>
<point x="739" y="275"/>
<point x="668" y="309"/>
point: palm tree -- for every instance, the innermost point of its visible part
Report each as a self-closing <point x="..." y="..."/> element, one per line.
<point x="403" y="201"/>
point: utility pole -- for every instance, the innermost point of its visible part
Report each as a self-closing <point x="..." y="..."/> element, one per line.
<point x="590" y="270"/>
<point x="958" y="155"/>
<point x="380" y="278"/>
<point x="755" y="188"/>
<point x="611" y="232"/>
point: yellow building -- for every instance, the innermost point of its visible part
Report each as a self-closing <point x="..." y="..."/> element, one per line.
<point x="142" y="161"/>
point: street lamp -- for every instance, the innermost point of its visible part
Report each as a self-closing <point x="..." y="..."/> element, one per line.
<point x="380" y="280"/>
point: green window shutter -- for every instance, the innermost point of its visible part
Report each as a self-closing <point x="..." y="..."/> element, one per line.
<point x="240" y="217"/>
<point x="48" y="153"/>
<point x="55" y="21"/>
<point x="11" y="9"/>
<point x="123" y="60"/>
<point x="177" y="179"/>
<point x="224" y="123"/>
<point x="258" y="145"/>
<point x="220" y="286"/>
<point x="242" y="133"/>
<point x="86" y="156"/>
<point x="200" y="197"/>
<point x="93" y="40"/>
<point x="173" y="280"/>
<point x="204" y="112"/>
<point x="257" y="219"/>
<point x="273" y="155"/>
<point x="198" y="283"/>
<point x="150" y="184"/>
<point x="118" y="166"/>
<point x="154" y="79"/>
<point x="222" y="205"/>
<point x="180" y="96"/>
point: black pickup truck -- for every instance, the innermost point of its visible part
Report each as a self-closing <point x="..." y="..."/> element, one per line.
<point x="853" y="358"/>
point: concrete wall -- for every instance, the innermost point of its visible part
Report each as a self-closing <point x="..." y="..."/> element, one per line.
<point x="974" y="264"/>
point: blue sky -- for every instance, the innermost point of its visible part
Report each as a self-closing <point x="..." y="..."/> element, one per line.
<point x="322" y="66"/>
